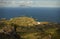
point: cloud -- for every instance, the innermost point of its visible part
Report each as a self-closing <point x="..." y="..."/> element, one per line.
<point x="29" y="0"/>
<point x="31" y="3"/>
<point x="47" y="4"/>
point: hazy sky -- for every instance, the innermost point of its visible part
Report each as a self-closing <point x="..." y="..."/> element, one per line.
<point x="30" y="3"/>
<point x="30" y="0"/>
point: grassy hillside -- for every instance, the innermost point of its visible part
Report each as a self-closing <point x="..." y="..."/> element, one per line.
<point x="27" y="28"/>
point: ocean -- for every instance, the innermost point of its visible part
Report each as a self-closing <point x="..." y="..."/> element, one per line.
<point x="39" y="13"/>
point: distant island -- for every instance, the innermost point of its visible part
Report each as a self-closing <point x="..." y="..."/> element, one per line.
<point x="28" y="28"/>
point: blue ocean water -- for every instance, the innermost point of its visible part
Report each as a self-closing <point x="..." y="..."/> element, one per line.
<point x="42" y="14"/>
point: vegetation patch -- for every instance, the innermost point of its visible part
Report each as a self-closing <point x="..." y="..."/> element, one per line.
<point x="27" y="28"/>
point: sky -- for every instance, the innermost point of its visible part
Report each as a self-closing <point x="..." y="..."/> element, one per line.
<point x="29" y="0"/>
<point x="30" y="3"/>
